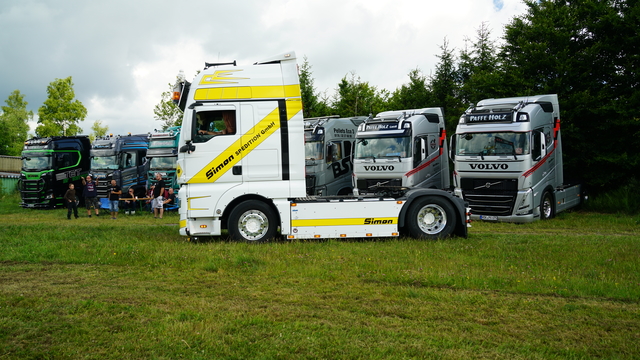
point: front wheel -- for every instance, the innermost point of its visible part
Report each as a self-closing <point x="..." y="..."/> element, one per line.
<point x="252" y="221"/>
<point x="546" y="206"/>
<point x="431" y="218"/>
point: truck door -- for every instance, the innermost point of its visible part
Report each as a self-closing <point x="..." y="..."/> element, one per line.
<point x="543" y="158"/>
<point x="215" y="133"/>
<point x="129" y="174"/>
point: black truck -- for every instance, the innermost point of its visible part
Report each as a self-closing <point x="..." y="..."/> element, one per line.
<point x="49" y="164"/>
<point x="123" y="159"/>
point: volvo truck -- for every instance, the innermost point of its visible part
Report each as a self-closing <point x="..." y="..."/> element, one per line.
<point x="163" y="155"/>
<point x="248" y="176"/>
<point x="123" y="159"/>
<point x="49" y="165"/>
<point x="508" y="160"/>
<point x="328" y="152"/>
<point x="397" y="150"/>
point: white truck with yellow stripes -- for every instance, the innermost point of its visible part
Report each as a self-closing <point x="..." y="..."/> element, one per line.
<point x="241" y="167"/>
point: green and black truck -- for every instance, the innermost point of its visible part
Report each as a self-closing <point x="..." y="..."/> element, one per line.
<point x="49" y="164"/>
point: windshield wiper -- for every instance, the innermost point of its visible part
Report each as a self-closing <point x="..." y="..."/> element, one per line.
<point x="372" y="157"/>
<point x="393" y="156"/>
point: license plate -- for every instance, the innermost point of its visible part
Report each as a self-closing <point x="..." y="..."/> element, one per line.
<point x="488" y="218"/>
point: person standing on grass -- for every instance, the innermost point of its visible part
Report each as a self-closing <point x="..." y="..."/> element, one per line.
<point x="70" y="200"/>
<point x="114" y="198"/>
<point x="158" y="193"/>
<point x="90" y="193"/>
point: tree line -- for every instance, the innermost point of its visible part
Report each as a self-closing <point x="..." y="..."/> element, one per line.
<point x="586" y="51"/>
<point x="59" y="115"/>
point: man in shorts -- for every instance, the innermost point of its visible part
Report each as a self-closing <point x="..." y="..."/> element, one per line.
<point x="90" y="193"/>
<point x="114" y="198"/>
<point x="158" y="193"/>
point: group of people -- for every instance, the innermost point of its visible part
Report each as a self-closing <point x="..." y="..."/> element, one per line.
<point x="157" y="198"/>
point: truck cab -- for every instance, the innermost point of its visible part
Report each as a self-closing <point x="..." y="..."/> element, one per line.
<point x="508" y="160"/>
<point x="163" y="156"/>
<point x="328" y="153"/>
<point x="397" y="150"/>
<point x="120" y="158"/>
<point x="49" y="165"/>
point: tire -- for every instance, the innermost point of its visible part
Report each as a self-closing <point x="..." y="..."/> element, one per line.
<point x="430" y="217"/>
<point x="252" y="221"/>
<point x="547" y="208"/>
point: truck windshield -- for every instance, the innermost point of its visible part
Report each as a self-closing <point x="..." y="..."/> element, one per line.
<point x="487" y="144"/>
<point x="36" y="162"/>
<point x="104" y="163"/>
<point x="313" y="150"/>
<point x="383" y="147"/>
<point x="163" y="163"/>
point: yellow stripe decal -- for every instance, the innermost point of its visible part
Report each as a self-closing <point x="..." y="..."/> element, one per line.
<point x="247" y="92"/>
<point x="195" y="197"/>
<point x="239" y="149"/>
<point x="183" y="224"/>
<point x="339" y="222"/>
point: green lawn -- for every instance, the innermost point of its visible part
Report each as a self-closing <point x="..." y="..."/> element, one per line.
<point x="132" y="288"/>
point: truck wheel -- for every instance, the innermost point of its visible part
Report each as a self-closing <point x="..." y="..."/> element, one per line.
<point x="252" y="221"/>
<point x="431" y="218"/>
<point x="546" y="206"/>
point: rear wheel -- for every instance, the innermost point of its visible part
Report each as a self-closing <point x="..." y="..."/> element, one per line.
<point x="547" y="210"/>
<point x="252" y="221"/>
<point x="431" y="218"/>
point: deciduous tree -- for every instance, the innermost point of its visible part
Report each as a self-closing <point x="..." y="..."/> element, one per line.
<point x="61" y="112"/>
<point x="14" y="124"/>
<point x="168" y="113"/>
<point x="97" y="130"/>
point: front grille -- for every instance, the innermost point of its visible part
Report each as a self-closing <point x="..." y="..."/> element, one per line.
<point x="373" y="184"/>
<point x="490" y="197"/>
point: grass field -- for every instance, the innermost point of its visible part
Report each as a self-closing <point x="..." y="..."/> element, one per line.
<point x="95" y="288"/>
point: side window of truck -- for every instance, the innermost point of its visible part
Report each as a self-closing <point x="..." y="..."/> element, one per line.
<point x="209" y="124"/>
<point x="334" y="151"/>
<point x="129" y="160"/>
<point x="66" y="159"/>
<point x="418" y="151"/>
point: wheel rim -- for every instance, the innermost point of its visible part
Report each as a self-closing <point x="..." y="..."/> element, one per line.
<point x="253" y="224"/>
<point x="432" y="219"/>
<point x="546" y="206"/>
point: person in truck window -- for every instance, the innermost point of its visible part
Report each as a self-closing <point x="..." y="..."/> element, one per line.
<point x="229" y="120"/>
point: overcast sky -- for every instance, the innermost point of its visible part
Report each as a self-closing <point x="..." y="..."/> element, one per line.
<point x="122" y="54"/>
